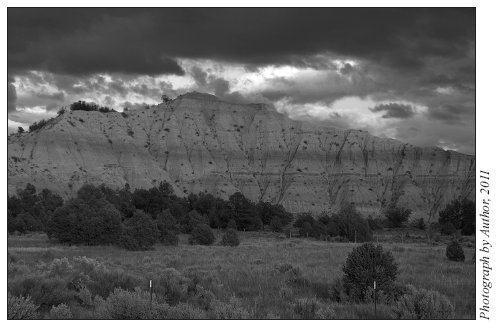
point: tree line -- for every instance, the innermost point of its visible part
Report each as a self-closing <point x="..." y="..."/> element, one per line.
<point x="100" y="215"/>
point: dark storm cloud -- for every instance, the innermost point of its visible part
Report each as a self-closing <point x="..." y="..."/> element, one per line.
<point x="146" y="41"/>
<point x="450" y="113"/>
<point x="394" y="110"/>
<point x="11" y="95"/>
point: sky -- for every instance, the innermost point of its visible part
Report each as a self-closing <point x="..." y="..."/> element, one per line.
<point x="407" y="74"/>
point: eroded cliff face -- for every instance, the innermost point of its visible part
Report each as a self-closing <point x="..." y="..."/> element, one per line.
<point x="199" y="143"/>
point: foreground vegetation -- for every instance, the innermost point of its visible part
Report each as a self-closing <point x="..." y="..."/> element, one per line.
<point x="264" y="277"/>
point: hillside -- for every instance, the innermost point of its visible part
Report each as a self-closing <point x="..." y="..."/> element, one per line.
<point x="199" y="143"/>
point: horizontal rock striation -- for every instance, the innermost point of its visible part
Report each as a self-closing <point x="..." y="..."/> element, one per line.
<point x="199" y="143"/>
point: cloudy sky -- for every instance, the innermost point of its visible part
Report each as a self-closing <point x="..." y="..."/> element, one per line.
<point x="407" y="74"/>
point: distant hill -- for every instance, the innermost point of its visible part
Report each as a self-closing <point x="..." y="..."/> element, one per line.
<point x="199" y="143"/>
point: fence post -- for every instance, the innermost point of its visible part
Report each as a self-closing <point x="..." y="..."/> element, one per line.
<point x="150" y="289"/>
<point x="375" y="316"/>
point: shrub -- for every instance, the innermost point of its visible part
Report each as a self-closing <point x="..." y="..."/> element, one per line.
<point x="397" y="216"/>
<point x="423" y="304"/>
<point x="232" y="224"/>
<point x="61" y="311"/>
<point x="366" y="264"/>
<point x="169" y="239"/>
<point x="448" y="229"/>
<point x="38" y="125"/>
<point x="124" y="305"/>
<point x="202" y="235"/>
<point x="325" y="313"/>
<point x="104" y="282"/>
<point x="44" y="292"/>
<point x="182" y="311"/>
<point x="231" y="310"/>
<point x="20" y="308"/>
<point x="454" y="251"/>
<point x="230" y="238"/>
<point x="142" y="229"/>
<point x="306" y="308"/>
<point x="171" y="287"/>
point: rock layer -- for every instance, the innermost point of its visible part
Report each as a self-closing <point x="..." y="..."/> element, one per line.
<point x="199" y="143"/>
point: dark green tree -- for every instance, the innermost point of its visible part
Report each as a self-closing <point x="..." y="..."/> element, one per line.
<point x="302" y="218"/>
<point x="276" y="225"/>
<point x="448" y="229"/>
<point x="461" y="213"/>
<point x="306" y="230"/>
<point x="352" y="225"/>
<point x="142" y="229"/>
<point x="88" y="219"/>
<point x="398" y="216"/>
<point x="245" y="212"/>
<point x="364" y="265"/>
<point x="455" y="252"/>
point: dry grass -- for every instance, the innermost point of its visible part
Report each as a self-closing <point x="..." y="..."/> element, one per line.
<point x="248" y="271"/>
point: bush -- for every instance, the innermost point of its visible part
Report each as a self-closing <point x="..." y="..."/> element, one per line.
<point x="306" y="308"/>
<point x="230" y="238"/>
<point x="38" y="125"/>
<point x="61" y="311"/>
<point x="102" y="283"/>
<point x="45" y="292"/>
<point x="454" y="252"/>
<point x="169" y="239"/>
<point x="182" y="311"/>
<point x="202" y="235"/>
<point x="397" y="216"/>
<point x="231" y="310"/>
<point x="171" y="287"/>
<point x="325" y="313"/>
<point x="366" y="264"/>
<point x="448" y="229"/>
<point x="423" y="304"/>
<point x="124" y="305"/>
<point x="20" y="308"/>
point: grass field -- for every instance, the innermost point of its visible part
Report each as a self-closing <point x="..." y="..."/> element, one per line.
<point x="250" y="271"/>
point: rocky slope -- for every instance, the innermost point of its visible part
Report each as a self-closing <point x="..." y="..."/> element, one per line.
<point x="199" y="143"/>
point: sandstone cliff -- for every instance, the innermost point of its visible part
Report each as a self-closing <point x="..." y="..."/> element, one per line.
<point x="199" y="143"/>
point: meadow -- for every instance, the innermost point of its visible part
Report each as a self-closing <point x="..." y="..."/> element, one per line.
<point x="253" y="273"/>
